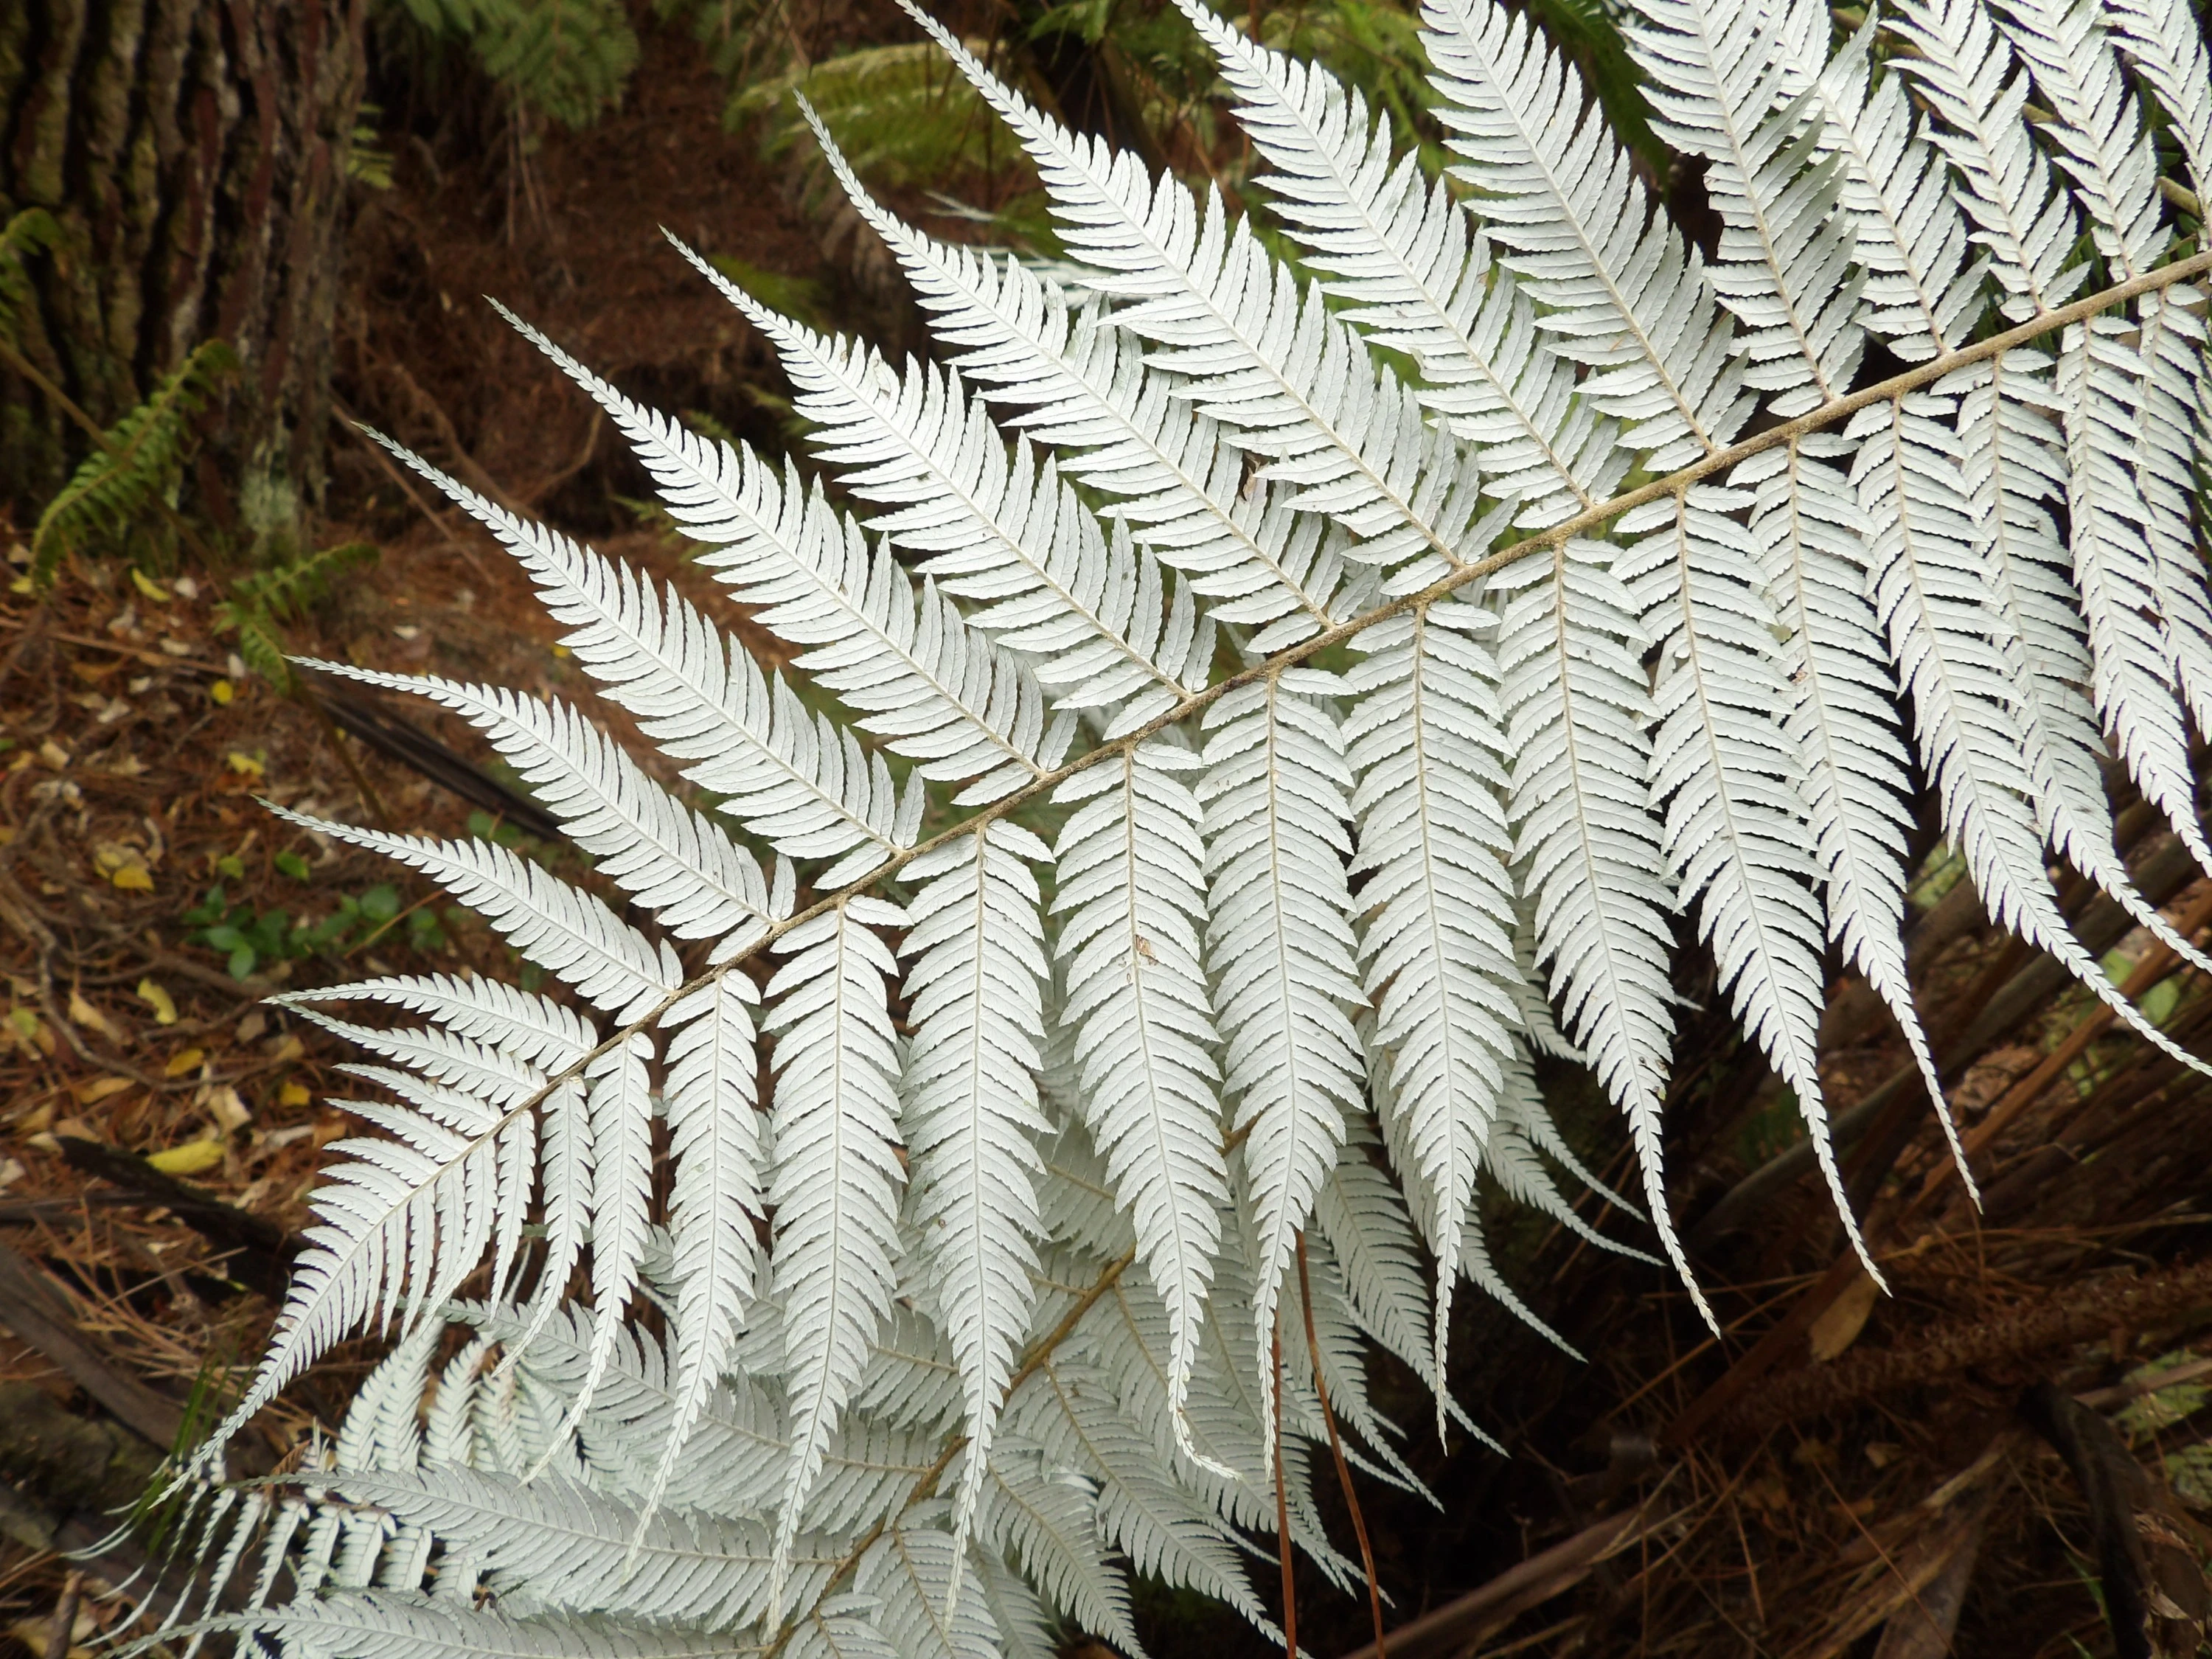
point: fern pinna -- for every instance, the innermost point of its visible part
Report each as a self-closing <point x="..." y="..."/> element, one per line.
<point x="1656" y="600"/>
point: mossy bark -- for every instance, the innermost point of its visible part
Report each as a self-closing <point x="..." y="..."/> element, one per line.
<point x="194" y="154"/>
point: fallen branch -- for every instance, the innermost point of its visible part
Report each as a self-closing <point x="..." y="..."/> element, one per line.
<point x="1458" y="1625"/>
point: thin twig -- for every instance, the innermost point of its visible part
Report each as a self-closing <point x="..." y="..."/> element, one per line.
<point x="1283" y="1501"/>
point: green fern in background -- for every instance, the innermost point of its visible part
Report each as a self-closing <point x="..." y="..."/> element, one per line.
<point x="136" y="467"/>
<point x="262" y="603"/>
<point x="565" y="59"/>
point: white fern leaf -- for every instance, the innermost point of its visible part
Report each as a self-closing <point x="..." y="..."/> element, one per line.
<point x="1853" y="769"/>
<point x="1131" y="896"/>
<point x="1069" y="1407"/>
<point x="1104" y="626"/>
<point x="806" y="787"/>
<point x="1368" y="1230"/>
<point x="1426" y="744"/>
<point x="568" y="1543"/>
<point x="835" y="1180"/>
<point x="1618" y="292"/>
<point x="672" y="860"/>
<point x="1725" y="773"/>
<point x="1931" y="588"/>
<point x="962" y="706"/>
<point x="1576" y="708"/>
<point x="532" y="1029"/>
<point x="970" y="1120"/>
<point x="1396" y="247"/>
<point x="1292" y="382"/>
<point x="715" y="1206"/>
<point x="1921" y="292"/>
<point x="564" y="930"/>
<point x="1279" y="936"/>
<point x="908" y="1573"/>
<point x="618" y="1100"/>
<point x="412" y="1214"/>
<point x="1085" y="390"/>
<point x="1045" y="1519"/>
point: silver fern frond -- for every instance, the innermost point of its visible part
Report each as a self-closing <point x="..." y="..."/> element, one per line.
<point x="1012" y="1161"/>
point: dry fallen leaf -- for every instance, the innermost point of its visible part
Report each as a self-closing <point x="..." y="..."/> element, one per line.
<point x="184" y="1060"/>
<point x="146" y="585"/>
<point x="1839" y="1325"/>
<point x="85" y="1014"/>
<point x="246" y="765"/>
<point x="222" y="691"/>
<point x="191" y="1158"/>
<point x="294" y="1094"/>
<point x="155" y="997"/>
<point x="92" y="1092"/>
<point x="133" y="878"/>
<point x="228" y="1111"/>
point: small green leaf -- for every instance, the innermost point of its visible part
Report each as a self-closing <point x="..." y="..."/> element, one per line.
<point x="241" y="961"/>
<point x="379" y="904"/>
<point x="293" y="865"/>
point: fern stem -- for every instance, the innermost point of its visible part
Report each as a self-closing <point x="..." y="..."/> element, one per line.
<point x="1336" y="1451"/>
<point x="1039" y="1356"/>
<point x="1828" y="414"/>
<point x="1282" y="1499"/>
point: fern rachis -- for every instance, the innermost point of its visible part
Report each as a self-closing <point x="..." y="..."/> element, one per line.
<point x="967" y="1300"/>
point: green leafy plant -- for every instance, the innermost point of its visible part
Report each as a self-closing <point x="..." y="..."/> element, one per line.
<point x="261" y="603"/>
<point x="247" y="937"/>
<point x="134" y="469"/>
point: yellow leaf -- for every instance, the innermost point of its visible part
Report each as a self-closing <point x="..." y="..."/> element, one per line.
<point x="133" y="878"/>
<point x="146" y="585"/>
<point x="190" y="1158"/>
<point x="155" y="997"/>
<point x="187" y="1061"/>
<point x="92" y="1093"/>
<point x="289" y="1048"/>
<point x="246" y="765"/>
<point x="1837" y="1327"/>
<point x="561" y="650"/>
<point x="85" y="1014"/>
<point x="293" y="1094"/>
<point x="222" y="691"/>
<point x="20" y="584"/>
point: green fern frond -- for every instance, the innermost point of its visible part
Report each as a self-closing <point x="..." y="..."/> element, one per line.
<point x="136" y="465"/>
<point x="567" y="59"/>
<point x="902" y="119"/>
<point x="261" y="603"/>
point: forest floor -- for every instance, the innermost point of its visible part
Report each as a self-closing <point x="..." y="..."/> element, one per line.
<point x="1841" y="1475"/>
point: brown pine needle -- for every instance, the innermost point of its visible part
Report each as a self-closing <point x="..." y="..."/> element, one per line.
<point x="1336" y="1450"/>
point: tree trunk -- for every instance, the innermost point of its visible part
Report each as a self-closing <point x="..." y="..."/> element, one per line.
<point x="194" y="154"/>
